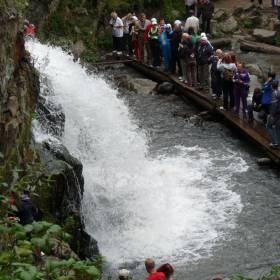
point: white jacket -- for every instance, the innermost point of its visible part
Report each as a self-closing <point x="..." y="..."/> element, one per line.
<point x="192" y="22"/>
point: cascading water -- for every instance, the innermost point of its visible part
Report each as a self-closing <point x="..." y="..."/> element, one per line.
<point x="174" y="206"/>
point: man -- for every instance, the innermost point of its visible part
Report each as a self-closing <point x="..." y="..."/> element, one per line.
<point x="154" y="43"/>
<point x="127" y="21"/>
<point x="175" y="40"/>
<point x="216" y="78"/>
<point x="26" y="209"/>
<point x="117" y="32"/>
<point x="204" y="52"/>
<point x="142" y="38"/>
<point x="190" y="5"/>
<point x="192" y="21"/>
<point x="153" y="274"/>
<point x="207" y="13"/>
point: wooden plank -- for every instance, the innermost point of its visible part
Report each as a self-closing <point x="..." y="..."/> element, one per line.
<point x="255" y="132"/>
<point x="111" y="62"/>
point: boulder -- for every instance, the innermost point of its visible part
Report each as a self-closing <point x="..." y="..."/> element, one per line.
<point x="141" y="85"/>
<point x="77" y="49"/>
<point x="229" y="25"/>
<point x="220" y="14"/>
<point x="256" y="70"/>
<point x="165" y="88"/>
<point x="249" y="7"/>
<point x="238" y="11"/>
<point x="264" y="35"/>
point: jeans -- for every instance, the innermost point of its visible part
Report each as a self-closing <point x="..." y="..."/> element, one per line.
<point x="155" y="50"/>
<point x="240" y="95"/>
<point x="274" y="131"/>
<point x="203" y="75"/>
<point x="184" y="68"/>
<point x="206" y="22"/>
<point x="192" y="73"/>
<point x="175" y="61"/>
<point x="188" y="9"/>
<point x="127" y="44"/>
<point x="216" y="84"/>
<point x="141" y="45"/>
<point x="118" y="43"/>
<point x="228" y="94"/>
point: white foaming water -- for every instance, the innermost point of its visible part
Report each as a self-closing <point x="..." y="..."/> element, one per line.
<point x="172" y="207"/>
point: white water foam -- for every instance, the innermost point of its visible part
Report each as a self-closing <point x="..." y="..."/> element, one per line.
<point x="172" y="207"/>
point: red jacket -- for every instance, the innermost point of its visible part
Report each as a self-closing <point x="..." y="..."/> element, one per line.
<point x="156" y="276"/>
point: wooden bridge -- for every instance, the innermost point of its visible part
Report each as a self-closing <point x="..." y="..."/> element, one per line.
<point x="255" y="131"/>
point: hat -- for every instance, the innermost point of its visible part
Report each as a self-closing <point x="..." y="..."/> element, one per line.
<point x="134" y="17"/>
<point x="203" y="35"/>
<point x="154" y="21"/>
<point x="124" y="273"/>
<point x="168" y="26"/>
<point x="177" y="22"/>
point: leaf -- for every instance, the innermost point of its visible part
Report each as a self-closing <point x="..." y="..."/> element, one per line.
<point x="6" y="257"/>
<point x="23" y="252"/>
<point x="40" y="242"/>
<point x="54" y="229"/>
<point x="41" y="226"/>
<point x="28" y="228"/>
<point x="93" y="272"/>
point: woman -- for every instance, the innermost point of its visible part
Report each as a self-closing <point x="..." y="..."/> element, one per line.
<point x="241" y="80"/>
<point x="154" y="43"/>
<point x="134" y="32"/>
<point x="227" y="69"/>
<point x="167" y="270"/>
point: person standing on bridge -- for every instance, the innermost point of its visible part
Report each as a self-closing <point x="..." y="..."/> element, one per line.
<point x="142" y="37"/>
<point x="154" y="43"/>
<point x="192" y="21"/>
<point x="241" y="80"/>
<point x="175" y="39"/>
<point x="273" y="121"/>
<point x="117" y="32"/>
<point x="153" y="274"/>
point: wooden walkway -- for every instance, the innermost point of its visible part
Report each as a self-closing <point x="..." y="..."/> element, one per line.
<point x="256" y="132"/>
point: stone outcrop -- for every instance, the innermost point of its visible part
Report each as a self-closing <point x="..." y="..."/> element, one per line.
<point x="62" y="198"/>
<point x="264" y="36"/>
<point x="19" y="85"/>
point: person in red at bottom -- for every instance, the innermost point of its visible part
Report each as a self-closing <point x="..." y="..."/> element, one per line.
<point x="168" y="271"/>
<point x="153" y="274"/>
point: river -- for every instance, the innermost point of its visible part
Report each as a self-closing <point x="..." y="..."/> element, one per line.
<point x="159" y="186"/>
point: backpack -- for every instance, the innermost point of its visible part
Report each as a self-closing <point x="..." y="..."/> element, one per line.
<point x="228" y="74"/>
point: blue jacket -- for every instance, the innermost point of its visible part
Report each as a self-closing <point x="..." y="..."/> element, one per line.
<point x="267" y="91"/>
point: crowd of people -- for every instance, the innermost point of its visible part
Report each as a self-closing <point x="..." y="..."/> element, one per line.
<point x="184" y="51"/>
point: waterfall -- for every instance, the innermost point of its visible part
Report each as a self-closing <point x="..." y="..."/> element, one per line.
<point x="173" y="206"/>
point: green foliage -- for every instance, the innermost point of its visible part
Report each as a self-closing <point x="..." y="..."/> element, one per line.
<point x="248" y="23"/>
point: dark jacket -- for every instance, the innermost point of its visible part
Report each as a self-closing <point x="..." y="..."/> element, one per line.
<point x="203" y="53"/>
<point x="188" y="51"/>
<point x="26" y="211"/>
<point x="275" y="104"/>
<point x="207" y="10"/>
<point x="175" y="40"/>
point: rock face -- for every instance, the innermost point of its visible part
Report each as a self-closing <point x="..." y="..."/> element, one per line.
<point x="264" y="36"/>
<point x="62" y="199"/>
<point x="229" y="25"/>
<point x="19" y="85"/>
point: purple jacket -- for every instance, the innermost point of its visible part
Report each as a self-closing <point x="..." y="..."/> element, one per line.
<point x="241" y="82"/>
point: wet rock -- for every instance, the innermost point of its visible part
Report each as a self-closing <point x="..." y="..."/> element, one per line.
<point x="165" y="88"/>
<point x="144" y="86"/>
<point x="229" y="25"/>
<point x="256" y="70"/>
<point x="62" y="198"/>
<point x="264" y="35"/>
<point x="50" y="116"/>
<point x="138" y="85"/>
<point x="77" y="49"/>
<point x="220" y="14"/>
<point x="263" y="161"/>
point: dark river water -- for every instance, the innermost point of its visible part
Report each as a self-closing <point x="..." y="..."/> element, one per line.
<point x="253" y="245"/>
